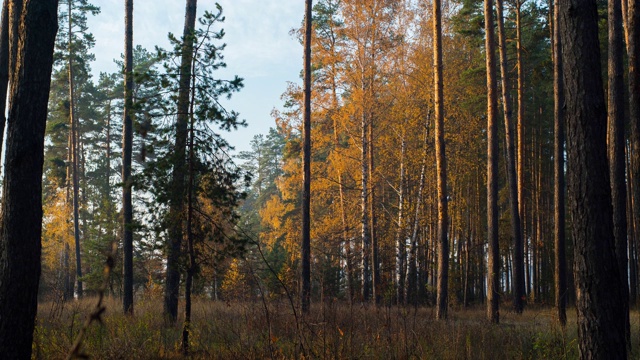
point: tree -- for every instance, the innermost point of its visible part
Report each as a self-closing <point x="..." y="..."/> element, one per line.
<point x="493" y="261"/>
<point x="599" y="305"/>
<point x="516" y="230"/>
<point x="633" y="51"/>
<point x="4" y="68"/>
<point x="306" y="163"/>
<point x="616" y="142"/>
<point x="21" y="221"/>
<point x="560" y="271"/>
<point x="176" y="206"/>
<point x="127" y="142"/>
<point x="441" y="165"/>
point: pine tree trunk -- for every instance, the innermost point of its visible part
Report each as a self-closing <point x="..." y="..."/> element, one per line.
<point x="493" y="262"/>
<point x="616" y="143"/>
<point x="521" y="139"/>
<point x="560" y="273"/>
<point x="127" y="145"/>
<point x="178" y="183"/>
<point x="600" y="310"/>
<point x="74" y="159"/>
<point x="518" y="252"/>
<point x="306" y="161"/>
<point x="633" y="50"/>
<point x="186" y="329"/>
<point x="441" y="169"/>
<point x="4" y="68"/>
<point x="21" y="219"/>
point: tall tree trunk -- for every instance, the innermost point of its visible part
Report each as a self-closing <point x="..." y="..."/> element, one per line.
<point x="633" y="50"/>
<point x="375" y="262"/>
<point x="616" y="142"/>
<point x="631" y="236"/>
<point x="191" y="269"/>
<point x="560" y="273"/>
<point x="127" y="145"/>
<point x="21" y="219"/>
<point x="401" y="246"/>
<point x="364" y="195"/>
<point x="493" y="262"/>
<point x="4" y="68"/>
<point x="441" y="168"/>
<point x="601" y="329"/>
<point x="521" y="130"/>
<point x="518" y="252"/>
<point x="411" y="296"/>
<point x="306" y="161"/>
<point x="176" y="201"/>
<point x="74" y="156"/>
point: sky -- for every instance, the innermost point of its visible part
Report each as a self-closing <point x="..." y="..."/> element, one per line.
<point x="259" y="48"/>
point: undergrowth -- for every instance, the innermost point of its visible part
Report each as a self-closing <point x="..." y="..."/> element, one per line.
<point x="332" y="330"/>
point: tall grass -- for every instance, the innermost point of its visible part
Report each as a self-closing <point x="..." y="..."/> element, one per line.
<point x="333" y="330"/>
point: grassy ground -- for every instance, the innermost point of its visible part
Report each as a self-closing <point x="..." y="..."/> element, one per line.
<point x="332" y="331"/>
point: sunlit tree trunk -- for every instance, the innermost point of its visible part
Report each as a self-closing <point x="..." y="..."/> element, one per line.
<point x="4" y="68"/>
<point x="560" y="272"/>
<point x="401" y="247"/>
<point x="441" y="168"/>
<point x="493" y="262"/>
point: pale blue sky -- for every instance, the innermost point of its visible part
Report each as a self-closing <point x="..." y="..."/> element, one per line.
<point x="259" y="48"/>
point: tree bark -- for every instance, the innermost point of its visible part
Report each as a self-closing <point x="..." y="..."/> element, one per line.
<point x="401" y="247"/>
<point x="518" y="249"/>
<point x="127" y="145"/>
<point x="560" y="273"/>
<point x="520" y="128"/>
<point x="306" y="161"/>
<point x="21" y="219"/>
<point x="493" y="261"/>
<point x="633" y="52"/>
<point x="176" y="202"/>
<point x="74" y="158"/>
<point x="441" y="169"/>
<point x="616" y="145"/>
<point x="4" y="69"/>
<point x="375" y="261"/>
<point x="600" y="310"/>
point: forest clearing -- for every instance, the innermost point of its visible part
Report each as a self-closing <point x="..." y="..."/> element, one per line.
<point x="332" y="330"/>
<point x="452" y="179"/>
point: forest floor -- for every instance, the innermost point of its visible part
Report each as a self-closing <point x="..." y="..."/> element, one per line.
<point x="332" y="331"/>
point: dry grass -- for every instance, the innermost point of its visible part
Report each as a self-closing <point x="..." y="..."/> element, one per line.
<point x="332" y="331"/>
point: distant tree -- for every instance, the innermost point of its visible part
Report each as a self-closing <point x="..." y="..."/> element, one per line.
<point x="306" y="163"/>
<point x="441" y="166"/>
<point x="516" y="230"/>
<point x="493" y="261"/>
<point x="127" y="145"/>
<point x="560" y="272"/>
<point x="178" y="186"/>
<point x="599" y="304"/>
<point x="21" y="220"/>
